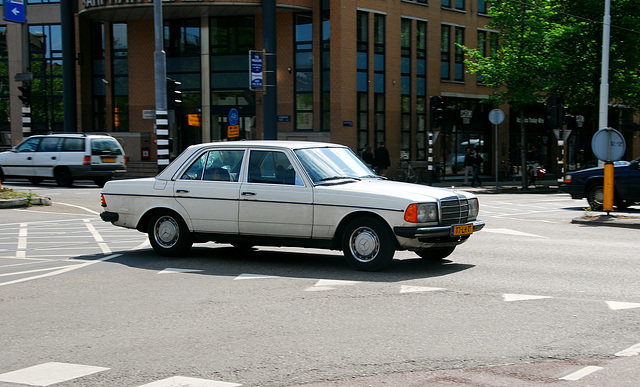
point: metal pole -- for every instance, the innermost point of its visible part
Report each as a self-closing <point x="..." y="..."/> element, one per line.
<point x="68" y="67"/>
<point x="496" y="158"/>
<point x="269" y="44"/>
<point x="160" y="70"/>
<point x="604" y="82"/>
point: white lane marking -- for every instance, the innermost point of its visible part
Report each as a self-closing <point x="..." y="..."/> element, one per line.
<point x="49" y="373"/>
<point x="171" y="270"/>
<point x="21" y="250"/>
<point x="28" y="271"/>
<point x="521" y="297"/>
<point x="326" y="282"/>
<point x="319" y="288"/>
<point x="633" y="350"/>
<point x="189" y="382"/>
<point x="82" y="208"/>
<point x="415" y="289"/>
<point x="254" y="276"/>
<point x="511" y="232"/>
<point x="98" y="238"/>
<point x="615" y="305"/>
<point x="581" y="373"/>
<point x="61" y="271"/>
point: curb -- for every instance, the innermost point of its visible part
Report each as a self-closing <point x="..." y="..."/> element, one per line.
<point x="609" y="220"/>
<point x="18" y="203"/>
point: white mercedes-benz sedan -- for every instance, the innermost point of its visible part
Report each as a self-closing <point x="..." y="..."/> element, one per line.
<point x="283" y="193"/>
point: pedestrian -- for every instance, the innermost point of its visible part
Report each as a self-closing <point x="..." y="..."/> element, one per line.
<point x="382" y="159"/>
<point x="367" y="156"/>
<point x="477" y="162"/>
<point x="468" y="165"/>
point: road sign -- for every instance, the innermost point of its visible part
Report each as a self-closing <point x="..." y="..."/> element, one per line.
<point x="608" y="145"/>
<point x="233" y="116"/>
<point x="233" y="131"/>
<point x="496" y="116"/>
<point x="14" y="10"/>
<point x="562" y="135"/>
<point x="256" y="70"/>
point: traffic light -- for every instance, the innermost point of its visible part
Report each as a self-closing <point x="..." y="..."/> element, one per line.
<point x="555" y="111"/>
<point x="437" y="111"/>
<point x="174" y="96"/>
<point x="25" y="95"/>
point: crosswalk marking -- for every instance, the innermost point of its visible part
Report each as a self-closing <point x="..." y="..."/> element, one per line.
<point x="581" y="373"/>
<point x="521" y="297"/>
<point x="615" y="305"/>
<point x="49" y="373"/>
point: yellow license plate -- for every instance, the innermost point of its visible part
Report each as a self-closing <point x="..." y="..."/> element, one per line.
<point x="462" y="229"/>
<point x="108" y="159"/>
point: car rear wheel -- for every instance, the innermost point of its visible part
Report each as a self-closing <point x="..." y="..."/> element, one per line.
<point x="63" y="177"/>
<point x="168" y="234"/>
<point x="436" y="253"/>
<point x="367" y="244"/>
<point x="595" y="196"/>
<point x="101" y="181"/>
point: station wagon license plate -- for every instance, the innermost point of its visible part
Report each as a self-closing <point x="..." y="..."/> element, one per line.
<point x="108" y="159"/>
<point x="462" y="229"/>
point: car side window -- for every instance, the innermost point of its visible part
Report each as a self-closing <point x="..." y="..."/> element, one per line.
<point x="73" y="145"/>
<point x="223" y="165"/>
<point x="28" y="145"/>
<point x="49" y="144"/>
<point x="271" y="167"/>
<point x="195" y="170"/>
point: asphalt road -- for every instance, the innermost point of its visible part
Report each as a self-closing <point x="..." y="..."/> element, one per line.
<point x="530" y="300"/>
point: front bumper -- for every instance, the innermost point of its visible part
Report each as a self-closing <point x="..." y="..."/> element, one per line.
<point x="431" y="234"/>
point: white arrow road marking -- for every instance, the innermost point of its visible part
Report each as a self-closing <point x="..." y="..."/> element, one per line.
<point x="615" y="305"/>
<point x="581" y="373"/>
<point x="171" y="270"/>
<point x="254" y="276"/>
<point x="326" y="284"/>
<point x="634" y="350"/>
<point x="415" y="289"/>
<point x="49" y="373"/>
<point x="522" y="297"/>
<point x="508" y="231"/>
<point x="189" y="382"/>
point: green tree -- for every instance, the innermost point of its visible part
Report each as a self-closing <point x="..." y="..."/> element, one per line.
<point x="525" y="63"/>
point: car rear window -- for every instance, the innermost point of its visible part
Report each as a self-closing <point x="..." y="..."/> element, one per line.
<point x="105" y="146"/>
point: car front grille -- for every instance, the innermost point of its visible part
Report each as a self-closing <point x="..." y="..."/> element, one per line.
<point x="454" y="210"/>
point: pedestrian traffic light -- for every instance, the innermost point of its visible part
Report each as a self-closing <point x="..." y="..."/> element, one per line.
<point x="437" y="111"/>
<point x="174" y="96"/>
<point x="25" y="95"/>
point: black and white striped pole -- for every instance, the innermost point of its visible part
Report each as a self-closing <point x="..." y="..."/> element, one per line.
<point x="436" y="111"/>
<point x="160" y="70"/>
<point x="25" y="97"/>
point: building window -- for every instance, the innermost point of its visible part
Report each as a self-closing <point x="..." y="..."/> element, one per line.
<point x="362" y="65"/>
<point x="325" y="103"/>
<point x="459" y="55"/>
<point x="379" y="77"/>
<point x="405" y="87"/>
<point x="99" y="103"/>
<point x="120" y="77"/>
<point x="457" y="4"/>
<point x="304" y="71"/>
<point x="45" y="60"/>
<point x="445" y="52"/>
<point x="483" y="7"/>
<point x="5" y="125"/>
<point x="421" y="87"/>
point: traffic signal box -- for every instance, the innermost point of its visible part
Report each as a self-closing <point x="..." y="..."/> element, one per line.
<point x="25" y="93"/>
<point x="436" y="111"/>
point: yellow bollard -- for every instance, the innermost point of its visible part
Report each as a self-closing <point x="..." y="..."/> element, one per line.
<point x="607" y="204"/>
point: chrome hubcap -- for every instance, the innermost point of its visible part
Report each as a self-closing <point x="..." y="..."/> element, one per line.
<point x="365" y="244"/>
<point x="167" y="231"/>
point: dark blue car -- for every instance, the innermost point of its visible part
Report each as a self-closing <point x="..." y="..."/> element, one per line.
<point x="589" y="184"/>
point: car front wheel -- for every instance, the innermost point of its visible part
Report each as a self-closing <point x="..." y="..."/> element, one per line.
<point x="168" y="234"/>
<point x="367" y="244"/>
<point x="595" y="196"/>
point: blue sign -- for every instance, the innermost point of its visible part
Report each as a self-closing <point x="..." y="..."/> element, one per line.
<point x="256" y="71"/>
<point x="14" y="10"/>
<point x="233" y="116"/>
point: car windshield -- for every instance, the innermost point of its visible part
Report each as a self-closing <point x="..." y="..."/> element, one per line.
<point x="333" y="165"/>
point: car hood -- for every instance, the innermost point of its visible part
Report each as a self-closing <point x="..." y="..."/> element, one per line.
<point x="381" y="193"/>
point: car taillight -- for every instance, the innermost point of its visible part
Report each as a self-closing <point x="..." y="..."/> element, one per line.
<point x="567" y="179"/>
<point x="87" y="160"/>
<point x="124" y="160"/>
<point x="103" y="202"/>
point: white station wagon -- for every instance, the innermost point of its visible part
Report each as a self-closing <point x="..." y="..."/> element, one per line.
<point x="281" y="193"/>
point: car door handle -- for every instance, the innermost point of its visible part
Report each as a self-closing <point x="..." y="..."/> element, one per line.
<point x="53" y="157"/>
<point x="246" y="193"/>
<point x="182" y="191"/>
<point x="29" y="158"/>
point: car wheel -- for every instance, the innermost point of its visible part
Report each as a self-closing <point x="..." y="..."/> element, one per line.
<point x="622" y="204"/>
<point x="168" y="234"/>
<point x="101" y="181"/>
<point x="595" y="196"/>
<point x="35" y="180"/>
<point x="63" y="177"/>
<point x="367" y="244"/>
<point x="436" y="253"/>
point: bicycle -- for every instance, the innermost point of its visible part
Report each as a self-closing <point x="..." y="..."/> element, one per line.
<point x="405" y="173"/>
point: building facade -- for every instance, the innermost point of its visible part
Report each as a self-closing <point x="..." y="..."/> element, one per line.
<point x="352" y="72"/>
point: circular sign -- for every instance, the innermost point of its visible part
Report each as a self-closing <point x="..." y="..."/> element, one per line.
<point x="233" y="116"/>
<point x="496" y="116"/>
<point x="608" y="145"/>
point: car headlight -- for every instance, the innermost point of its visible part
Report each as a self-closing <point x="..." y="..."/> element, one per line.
<point x="421" y="213"/>
<point x="474" y="207"/>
